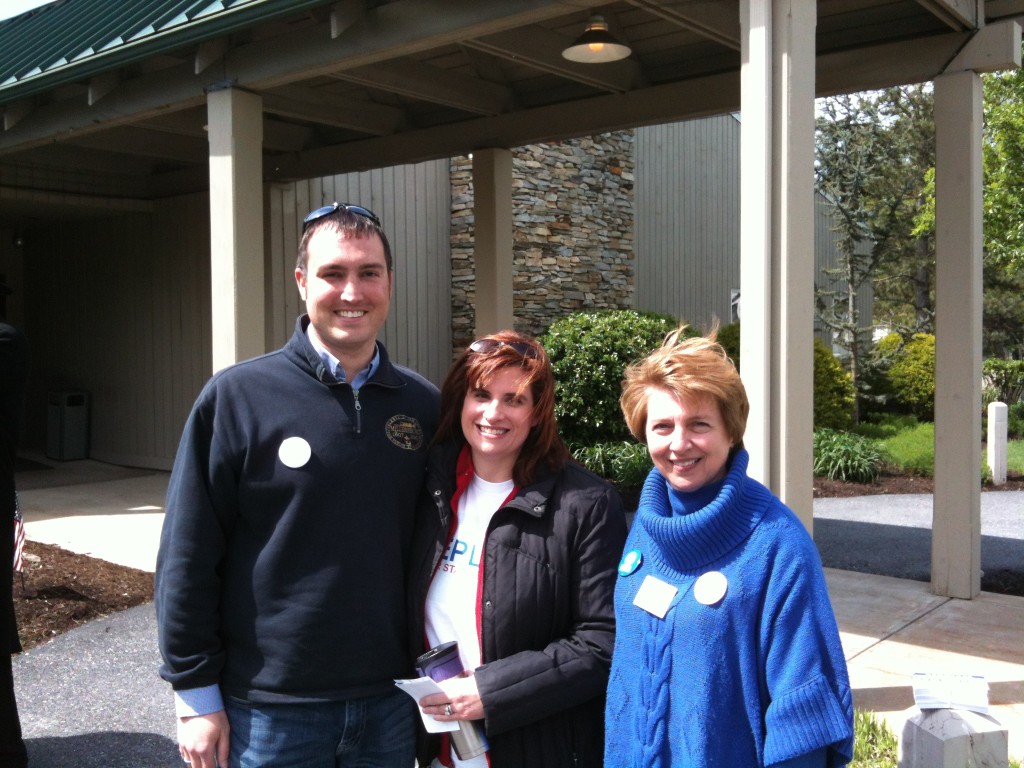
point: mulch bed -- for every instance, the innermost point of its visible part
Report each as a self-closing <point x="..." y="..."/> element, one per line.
<point x="62" y="590"/>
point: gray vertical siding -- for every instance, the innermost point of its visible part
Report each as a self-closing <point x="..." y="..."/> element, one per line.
<point x="687" y="218"/>
<point x="688" y="222"/>
<point x="413" y="204"/>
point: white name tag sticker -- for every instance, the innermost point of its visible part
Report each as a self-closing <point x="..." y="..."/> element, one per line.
<point x="655" y="596"/>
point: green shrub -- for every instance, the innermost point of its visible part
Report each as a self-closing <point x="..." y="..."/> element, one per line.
<point x="912" y="375"/>
<point x="729" y="338"/>
<point x="589" y="352"/>
<point x="1004" y="380"/>
<point x="625" y="464"/>
<point x="1015" y="421"/>
<point x="833" y="391"/>
<point x="874" y="390"/>
<point x="846" y="456"/>
<point x="874" y="743"/>
<point x="913" y="450"/>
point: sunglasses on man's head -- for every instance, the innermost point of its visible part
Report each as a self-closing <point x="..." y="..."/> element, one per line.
<point x="327" y="210"/>
<point x="489" y="345"/>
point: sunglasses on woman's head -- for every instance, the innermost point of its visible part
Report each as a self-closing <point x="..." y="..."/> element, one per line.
<point x="327" y="210"/>
<point x="489" y="345"/>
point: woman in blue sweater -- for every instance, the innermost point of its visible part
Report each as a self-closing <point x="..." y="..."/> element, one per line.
<point x="727" y="651"/>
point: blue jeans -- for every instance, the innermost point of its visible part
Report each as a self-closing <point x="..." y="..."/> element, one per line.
<point x="375" y="732"/>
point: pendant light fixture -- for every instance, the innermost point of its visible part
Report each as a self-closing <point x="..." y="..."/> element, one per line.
<point x="596" y="45"/>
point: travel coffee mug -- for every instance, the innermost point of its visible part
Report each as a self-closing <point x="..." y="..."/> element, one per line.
<point x="440" y="663"/>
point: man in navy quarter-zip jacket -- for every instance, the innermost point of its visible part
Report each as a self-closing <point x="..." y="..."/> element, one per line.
<point x="280" y="578"/>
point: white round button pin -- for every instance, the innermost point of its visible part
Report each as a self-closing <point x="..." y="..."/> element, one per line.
<point x="294" y="452"/>
<point x="710" y="587"/>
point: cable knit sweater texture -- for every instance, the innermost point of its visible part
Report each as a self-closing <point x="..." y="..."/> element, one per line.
<point x="756" y="678"/>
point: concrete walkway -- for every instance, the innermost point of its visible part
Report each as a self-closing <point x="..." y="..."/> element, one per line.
<point x="92" y="697"/>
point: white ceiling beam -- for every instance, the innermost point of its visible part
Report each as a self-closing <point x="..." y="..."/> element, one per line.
<point x="209" y="53"/>
<point x="959" y="15"/>
<point x="319" y="106"/>
<point x="996" y="10"/>
<point x="417" y="80"/>
<point x="541" y="48"/>
<point x="68" y="157"/>
<point x="102" y="84"/>
<point x="994" y="47"/>
<point x="17" y="111"/>
<point x="128" y="140"/>
<point x="69" y="203"/>
<point x="899" y="63"/>
<point x="344" y="15"/>
<point x="716" y="20"/>
<point x="277" y="136"/>
<point x="717" y="94"/>
<point x="389" y="31"/>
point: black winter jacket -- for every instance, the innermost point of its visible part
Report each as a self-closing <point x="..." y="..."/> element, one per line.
<point x="547" y="618"/>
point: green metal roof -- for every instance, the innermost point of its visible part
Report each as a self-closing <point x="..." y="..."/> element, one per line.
<point x="69" y="40"/>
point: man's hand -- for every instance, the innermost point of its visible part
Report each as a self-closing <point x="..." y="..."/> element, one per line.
<point x="204" y="740"/>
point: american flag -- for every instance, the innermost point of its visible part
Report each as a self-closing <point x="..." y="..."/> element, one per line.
<point x="19" y="536"/>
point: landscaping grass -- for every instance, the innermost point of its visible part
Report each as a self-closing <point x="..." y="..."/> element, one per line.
<point x="913" y="449"/>
<point x="876" y="746"/>
<point x="1015" y="456"/>
<point x="910" y="445"/>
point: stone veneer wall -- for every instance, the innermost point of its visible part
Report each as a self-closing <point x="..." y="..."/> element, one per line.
<point x="572" y="229"/>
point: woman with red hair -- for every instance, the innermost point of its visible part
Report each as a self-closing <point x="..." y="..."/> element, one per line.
<point x="514" y="558"/>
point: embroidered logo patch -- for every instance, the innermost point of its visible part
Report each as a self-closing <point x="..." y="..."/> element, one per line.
<point x="405" y="432"/>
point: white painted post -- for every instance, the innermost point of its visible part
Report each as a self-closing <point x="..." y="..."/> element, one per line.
<point x="997" y="435"/>
<point x="951" y="738"/>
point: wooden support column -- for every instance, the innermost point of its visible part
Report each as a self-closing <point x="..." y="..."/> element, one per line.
<point x="956" y="523"/>
<point x="235" y="125"/>
<point x="777" y="244"/>
<point x="492" y="246"/>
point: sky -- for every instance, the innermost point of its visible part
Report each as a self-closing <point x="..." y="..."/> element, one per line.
<point x="10" y="8"/>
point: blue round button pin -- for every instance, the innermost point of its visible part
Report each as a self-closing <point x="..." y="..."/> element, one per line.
<point x="630" y="562"/>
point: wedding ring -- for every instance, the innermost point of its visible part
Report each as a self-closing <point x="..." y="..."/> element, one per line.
<point x="448" y="709"/>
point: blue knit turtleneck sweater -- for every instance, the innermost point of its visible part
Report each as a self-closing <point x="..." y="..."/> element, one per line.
<point x="752" y="677"/>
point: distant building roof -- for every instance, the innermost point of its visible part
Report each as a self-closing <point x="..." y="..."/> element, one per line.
<point x="69" y="39"/>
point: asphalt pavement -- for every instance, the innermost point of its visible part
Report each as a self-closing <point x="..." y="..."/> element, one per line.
<point x="891" y="535"/>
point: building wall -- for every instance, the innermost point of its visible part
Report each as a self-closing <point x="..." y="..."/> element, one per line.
<point x="572" y="232"/>
<point x="119" y="306"/>
<point x="119" y="309"/>
<point x="413" y="203"/>
<point x="688" y="224"/>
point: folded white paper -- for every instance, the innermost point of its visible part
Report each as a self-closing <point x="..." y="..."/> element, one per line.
<point x="944" y="691"/>
<point x="424" y="686"/>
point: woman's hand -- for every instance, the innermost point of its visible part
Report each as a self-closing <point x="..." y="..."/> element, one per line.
<point x="460" y="700"/>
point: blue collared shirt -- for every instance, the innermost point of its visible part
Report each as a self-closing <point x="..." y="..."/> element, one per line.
<point x="334" y="366"/>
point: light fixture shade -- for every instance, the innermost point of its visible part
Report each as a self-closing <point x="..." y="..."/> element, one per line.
<point x="596" y="45"/>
